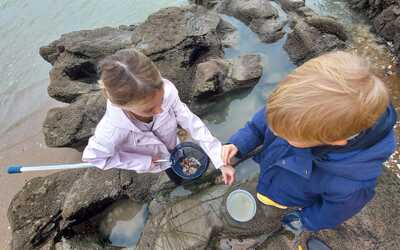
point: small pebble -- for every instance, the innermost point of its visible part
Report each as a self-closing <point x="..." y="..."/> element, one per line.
<point x="190" y="165"/>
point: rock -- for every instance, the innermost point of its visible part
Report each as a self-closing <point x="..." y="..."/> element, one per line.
<point x="190" y="21"/>
<point x="210" y="77"/>
<point x="248" y="10"/>
<point x="268" y="30"/>
<point x="208" y="4"/>
<point x="63" y="86"/>
<point x="84" y="198"/>
<point x="244" y="71"/>
<point x="68" y="198"/>
<point x="372" y="8"/>
<point x="127" y="27"/>
<point x="75" y="56"/>
<point x="305" y="12"/>
<point x="217" y="77"/>
<point x="306" y="41"/>
<point x="81" y="244"/>
<point x="39" y="201"/>
<point x="186" y="224"/>
<point x="72" y="126"/>
<point x="385" y="18"/>
<point x="386" y="23"/>
<point x="328" y="25"/>
<point x="94" y="44"/>
<point x="260" y="15"/>
<point x="291" y="5"/>
<point x="229" y="34"/>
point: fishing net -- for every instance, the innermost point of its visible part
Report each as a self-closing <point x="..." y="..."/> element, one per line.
<point x="189" y="160"/>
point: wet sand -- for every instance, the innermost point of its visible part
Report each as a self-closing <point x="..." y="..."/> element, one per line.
<point x="24" y="144"/>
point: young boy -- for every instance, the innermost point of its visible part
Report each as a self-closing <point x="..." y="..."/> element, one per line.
<point x="326" y="130"/>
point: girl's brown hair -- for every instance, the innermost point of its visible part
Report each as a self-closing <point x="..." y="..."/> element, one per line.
<point x="329" y="98"/>
<point x="128" y="77"/>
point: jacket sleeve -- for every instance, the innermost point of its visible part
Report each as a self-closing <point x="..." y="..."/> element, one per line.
<point x="333" y="210"/>
<point x="197" y="129"/>
<point x="251" y="135"/>
<point x="102" y="152"/>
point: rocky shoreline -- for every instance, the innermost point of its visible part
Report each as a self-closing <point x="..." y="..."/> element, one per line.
<point x="385" y="19"/>
<point x="187" y="44"/>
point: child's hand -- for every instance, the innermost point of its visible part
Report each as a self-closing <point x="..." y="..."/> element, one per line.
<point x="228" y="152"/>
<point x="154" y="162"/>
<point x="228" y="172"/>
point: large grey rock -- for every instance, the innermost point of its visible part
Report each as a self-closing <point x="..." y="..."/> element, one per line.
<point x="94" y="44"/>
<point x="69" y="197"/>
<point x="248" y="10"/>
<point x="372" y="8"/>
<point x="39" y="202"/>
<point x="72" y="125"/>
<point x="229" y="34"/>
<point x="387" y="25"/>
<point x="260" y="15"/>
<point x="75" y="56"/>
<point x="328" y="25"/>
<point x="313" y="36"/>
<point x="221" y="76"/>
<point x="193" y="21"/>
<point x="84" y="197"/>
<point x="244" y="71"/>
<point x="291" y="5"/>
<point x="217" y="77"/>
<point x="64" y="85"/>
<point x="268" y="30"/>
<point x="187" y="224"/>
<point x="385" y="18"/>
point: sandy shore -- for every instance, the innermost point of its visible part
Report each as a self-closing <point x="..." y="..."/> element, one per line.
<point x="24" y="144"/>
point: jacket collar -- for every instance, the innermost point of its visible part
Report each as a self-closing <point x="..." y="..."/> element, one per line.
<point x="366" y="138"/>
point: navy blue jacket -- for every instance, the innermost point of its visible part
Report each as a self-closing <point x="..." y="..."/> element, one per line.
<point x="329" y="183"/>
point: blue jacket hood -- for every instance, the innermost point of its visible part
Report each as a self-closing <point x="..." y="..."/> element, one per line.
<point x="363" y="155"/>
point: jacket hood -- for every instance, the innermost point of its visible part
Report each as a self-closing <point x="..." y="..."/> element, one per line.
<point x="362" y="156"/>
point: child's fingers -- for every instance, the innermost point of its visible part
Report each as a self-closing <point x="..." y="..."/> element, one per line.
<point x="225" y="155"/>
<point x="228" y="179"/>
<point x="225" y="178"/>
<point x="231" y="154"/>
<point x="232" y="180"/>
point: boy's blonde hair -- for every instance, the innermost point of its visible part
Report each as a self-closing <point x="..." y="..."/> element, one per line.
<point x="329" y="98"/>
<point x="128" y="77"/>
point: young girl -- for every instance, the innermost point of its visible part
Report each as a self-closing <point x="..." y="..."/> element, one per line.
<point x="140" y="123"/>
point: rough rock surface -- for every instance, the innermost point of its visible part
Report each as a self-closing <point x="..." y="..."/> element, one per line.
<point x="385" y="18"/>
